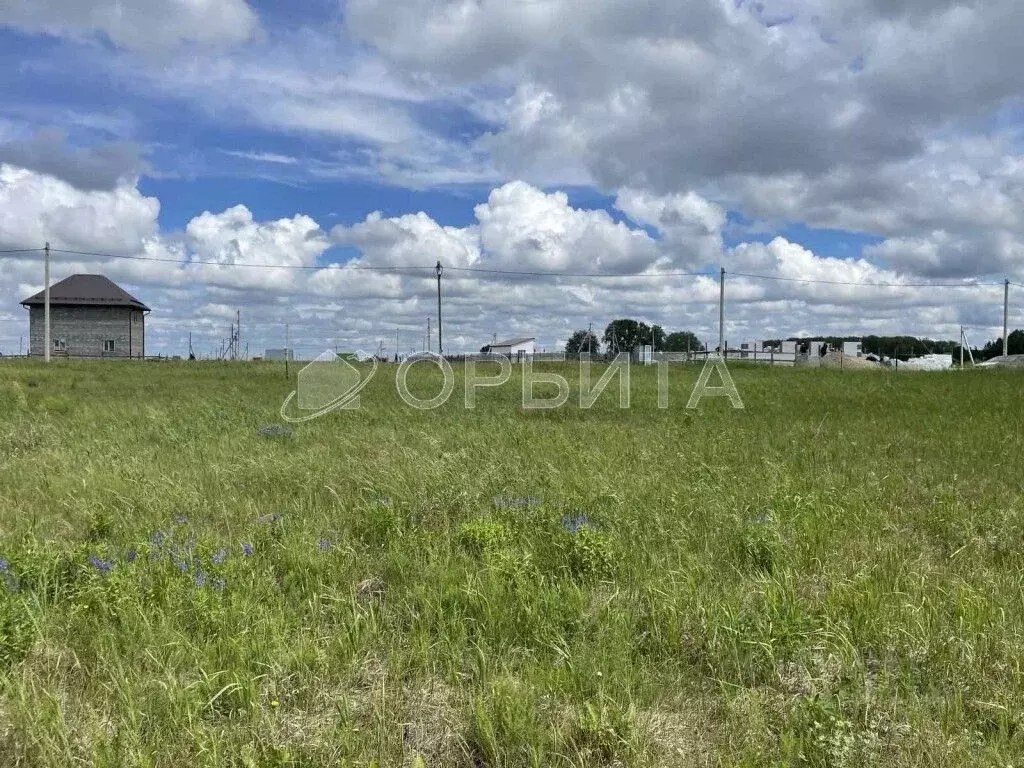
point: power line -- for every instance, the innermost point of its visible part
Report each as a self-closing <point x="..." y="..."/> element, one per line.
<point x="864" y="284"/>
<point x="488" y="270"/>
<point x="372" y="268"/>
<point x="238" y="264"/>
<point x="511" y="272"/>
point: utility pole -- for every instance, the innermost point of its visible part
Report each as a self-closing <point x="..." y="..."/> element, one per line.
<point x="721" y="315"/>
<point x="287" y="349"/>
<point x="426" y="343"/>
<point x="961" y="347"/>
<point x="46" y="305"/>
<point x="238" y="332"/>
<point x="1006" y="317"/>
<point x="396" y="345"/>
<point x="440" y="347"/>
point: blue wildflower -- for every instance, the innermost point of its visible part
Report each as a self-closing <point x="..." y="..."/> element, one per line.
<point x="104" y="566"/>
<point x="132" y="555"/>
<point x="180" y="519"/>
<point x="183" y="566"/>
<point x="9" y="578"/>
<point x="219" y="584"/>
<point x="524" y="502"/>
<point x="575" y="523"/>
<point x="219" y="557"/>
<point x="200" y="580"/>
<point x="247" y="550"/>
<point x="325" y="545"/>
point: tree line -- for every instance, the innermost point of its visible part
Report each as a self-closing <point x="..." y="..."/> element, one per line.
<point x="627" y="335"/>
<point x="905" y="347"/>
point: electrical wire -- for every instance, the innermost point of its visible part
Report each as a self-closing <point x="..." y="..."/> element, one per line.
<point x="513" y="272"/>
<point x="862" y="284"/>
<point x="488" y="270"/>
<point x="237" y="264"/>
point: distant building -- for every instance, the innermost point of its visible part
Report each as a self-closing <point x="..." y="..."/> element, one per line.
<point x="513" y="348"/>
<point x="279" y="355"/>
<point x="751" y="347"/>
<point x="853" y="349"/>
<point x="90" y="317"/>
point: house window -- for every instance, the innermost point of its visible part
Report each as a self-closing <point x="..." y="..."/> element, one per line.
<point x="59" y="345"/>
<point x="108" y="345"/>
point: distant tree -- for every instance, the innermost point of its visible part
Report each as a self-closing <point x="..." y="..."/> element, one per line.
<point x="583" y="341"/>
<point x="681" y="341"/>
<point x="625" y="335"/>
<point x="994" y="348"/>
<point x="901" y="347"/>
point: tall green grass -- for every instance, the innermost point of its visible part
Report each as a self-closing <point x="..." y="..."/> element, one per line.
<point x="830" y="577"/>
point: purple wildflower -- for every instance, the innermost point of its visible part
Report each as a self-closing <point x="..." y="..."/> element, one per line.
<point x="183" y="566"/>
<point x="219" y="557"/>
<point x="132" y="554"/>
<point x="9" y="578"/>
<point x="219" y="584"/>
<point x="247" y="550"/>
<point x="200" y="580"/>
<point x="103" y="566"/>
<point x="575" y="523"/>
<point x="325" y="545"/>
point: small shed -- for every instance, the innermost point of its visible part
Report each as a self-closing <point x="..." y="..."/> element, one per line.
<point x="513" y="348"/>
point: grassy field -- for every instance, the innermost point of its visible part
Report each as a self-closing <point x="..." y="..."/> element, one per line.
<point x="830" y="577"/>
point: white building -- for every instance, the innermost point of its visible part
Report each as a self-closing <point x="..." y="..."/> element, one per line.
<point x="751" y="348"/>
<point x="853" y="349"/>
<point x="513" y="348"/>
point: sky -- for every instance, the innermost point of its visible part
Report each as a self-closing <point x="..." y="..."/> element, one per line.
<point x="307" y="162"/>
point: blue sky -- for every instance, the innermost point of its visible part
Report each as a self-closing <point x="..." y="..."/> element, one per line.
<point x="542" y="136"/>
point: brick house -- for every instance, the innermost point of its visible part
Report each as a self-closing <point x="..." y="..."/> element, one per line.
<point x="90" y="317"/>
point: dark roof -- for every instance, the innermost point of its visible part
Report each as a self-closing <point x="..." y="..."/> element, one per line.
<point x="87" y="290"/>
<point x="512" y="342"/>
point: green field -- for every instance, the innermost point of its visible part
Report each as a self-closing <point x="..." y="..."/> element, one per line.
<point x="830" y="577"/>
